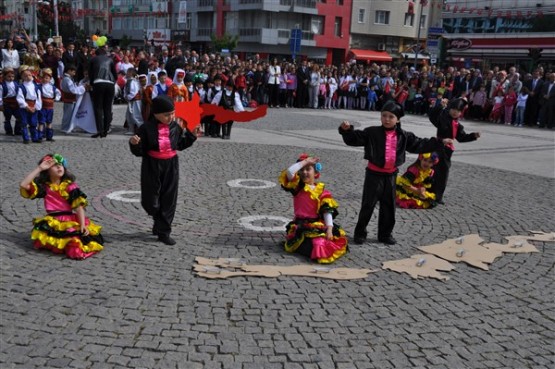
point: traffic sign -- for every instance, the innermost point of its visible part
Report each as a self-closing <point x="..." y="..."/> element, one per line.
<point x="295" y="41"/>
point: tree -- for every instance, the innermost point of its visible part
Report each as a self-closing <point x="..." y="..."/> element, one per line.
<point x="67" y="29"/>
<point x="226" y="41"/>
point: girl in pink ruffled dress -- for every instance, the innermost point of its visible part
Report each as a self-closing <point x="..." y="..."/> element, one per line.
<point x="312" y="232"/>
<point x="64" y="229"/>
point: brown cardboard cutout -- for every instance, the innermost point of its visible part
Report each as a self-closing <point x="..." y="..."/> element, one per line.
<point x="213" y="272"/>
<point x="422" y="265"/>
<point x="465" y="249"/>
<point x="541" y="236"/>
<point x="234" y="267"/>
<point x="517" y="244"/>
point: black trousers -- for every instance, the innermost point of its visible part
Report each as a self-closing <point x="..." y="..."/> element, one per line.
<point x="159" y="183"/>
<point x="377" y="188"/>
<point x="226" y="128"/>
<point x="102" y="96"/>
<point x="302" y="94"/>
<point x="441" y="173"/>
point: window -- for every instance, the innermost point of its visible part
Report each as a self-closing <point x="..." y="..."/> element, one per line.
<point x="340" y="2"/>
<point x="189" y="20"/>
<point x="316" y="25"/>
<point x="409" y="19"/>
<point x="382" y="17"/>
<point x="423" y="22"/>
<point x="337" y="26"/>
<point x="361" y="16"/>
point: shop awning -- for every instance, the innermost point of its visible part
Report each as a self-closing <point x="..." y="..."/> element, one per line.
<point x="371" y="55"/>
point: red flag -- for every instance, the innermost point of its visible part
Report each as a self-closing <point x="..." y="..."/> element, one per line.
<point x="222" y="115"/>
<point x="189" y="111"/>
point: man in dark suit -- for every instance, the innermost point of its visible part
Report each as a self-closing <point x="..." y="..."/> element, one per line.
<point x="69" y="57"/>
<point x="534" y="86"/>
<point x="303" y="76"/>
<point x="547" y="102"/>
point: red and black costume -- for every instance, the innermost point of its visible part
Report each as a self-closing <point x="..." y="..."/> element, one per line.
<point x="160" y="169"/>
<point x="385" y="151"/>
<point x="447" y="127"/>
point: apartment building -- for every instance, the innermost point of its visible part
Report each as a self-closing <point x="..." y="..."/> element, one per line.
<point x="91" y="15"/>
<point x="389" y="30"/>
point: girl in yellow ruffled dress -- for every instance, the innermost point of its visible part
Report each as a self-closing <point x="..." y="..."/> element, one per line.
<point x="312" y="232"/>
<point x="413" y="187"/>
<point x="64" y="229"/>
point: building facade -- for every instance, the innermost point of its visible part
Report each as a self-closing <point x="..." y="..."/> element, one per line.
<point x="91" y="15"/>
<point x="390" y="30"/>
<point x="499" y="32"/>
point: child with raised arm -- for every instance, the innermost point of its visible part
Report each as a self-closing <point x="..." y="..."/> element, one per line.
<point x="446" y="119"/>
<point x="413" y="187"/>
<point x="157" y="141"/>
<point x="384" y="148"/>
<point x="65" y="228"/>
<point x="312" y="232"/>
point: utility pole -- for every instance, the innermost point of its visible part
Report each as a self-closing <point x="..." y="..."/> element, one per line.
<point x="56" y="30"/>
<point x="423" y="3"/>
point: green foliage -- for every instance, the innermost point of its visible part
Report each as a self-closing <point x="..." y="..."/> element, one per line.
<point x="67" y="29"/>
<point x="226" y="41"/>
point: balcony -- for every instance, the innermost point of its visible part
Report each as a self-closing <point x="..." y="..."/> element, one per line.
<point x="206" y="3"/>
<point x="202" y="34"/>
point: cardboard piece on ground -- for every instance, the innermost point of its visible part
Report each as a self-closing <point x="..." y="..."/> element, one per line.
<point x="233" y="267"/>
<point x="465" y="249"/>
<point x="212" y="272"/>
<point x="517" y="244"/>
<point x="306" y="270"/>
<point x="541" y="236"/>
<point x="421" y="265"/>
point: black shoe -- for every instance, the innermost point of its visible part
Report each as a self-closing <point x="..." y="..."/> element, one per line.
<point x="96" y="135"/>
<point x="26" y="142"/>
<point x="165" y="238"/>
<point x="103" y="135"/>
<point x="51" y="140"/>
<point x="359" y="240"/>
<point x="441" y="202"/>
<point x="154" y="231"/>
<point x="387" y="240"/>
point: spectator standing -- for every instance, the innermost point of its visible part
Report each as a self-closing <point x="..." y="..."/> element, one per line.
<point x="102" y="74"/>
<point x="303" y="76"/>
<point x="274" y="71"/>
<point x="533" y="102"/>
<point x="10" y="56"/>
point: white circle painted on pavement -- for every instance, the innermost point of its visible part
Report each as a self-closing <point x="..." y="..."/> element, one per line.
<point x="239" y="183"/>
<point x="119" y="196"/>
<point x="247" y="222"/>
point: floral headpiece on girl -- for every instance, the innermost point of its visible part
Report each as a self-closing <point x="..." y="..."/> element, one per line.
<point x="317" y="166"/>
<point x="59" y="159"/>
<point x="428" y="155"/>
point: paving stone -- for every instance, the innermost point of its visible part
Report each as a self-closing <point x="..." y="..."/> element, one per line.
<point x="137" y="304"/>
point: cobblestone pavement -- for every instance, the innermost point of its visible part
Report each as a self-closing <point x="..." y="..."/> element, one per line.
<point x="137" y="304"/>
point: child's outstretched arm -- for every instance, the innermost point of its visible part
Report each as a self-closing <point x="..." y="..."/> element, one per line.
<point x="45" y="165"/>
<point x="351" y="136"/>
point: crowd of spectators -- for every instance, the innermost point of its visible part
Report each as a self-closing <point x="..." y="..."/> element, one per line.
<point x="496" y="95"/>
